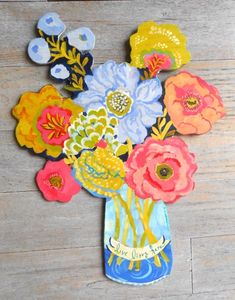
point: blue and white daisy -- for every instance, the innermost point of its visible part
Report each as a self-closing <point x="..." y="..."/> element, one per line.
<point x="118" y="88"/>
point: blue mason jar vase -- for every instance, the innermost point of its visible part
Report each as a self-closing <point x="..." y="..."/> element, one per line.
<point x="137" y="241"/>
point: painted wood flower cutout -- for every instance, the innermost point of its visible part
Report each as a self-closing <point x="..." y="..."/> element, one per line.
<point x="68" y="55"/>
<point x="158" y="47"/>
<point x="115" y="136"/>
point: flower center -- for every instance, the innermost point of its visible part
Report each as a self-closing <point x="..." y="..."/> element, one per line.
<point x="156" y="62"/>
<point x="119" y="103"/>
<point x="164" y="171"/>
<point x="53" y="125"/>
<point x="192" y="102"/>
<point x="56" y="181"/>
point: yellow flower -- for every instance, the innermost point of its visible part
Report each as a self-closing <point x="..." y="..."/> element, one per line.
<point x="100" y="172"/>
<point x="44" y="118"/>
<point x="158" y="46"/>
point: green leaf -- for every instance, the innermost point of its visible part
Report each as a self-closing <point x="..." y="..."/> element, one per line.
<point x="162" y="124"/>
<point x="121" y="150"/>
<point x="85" y="61"/>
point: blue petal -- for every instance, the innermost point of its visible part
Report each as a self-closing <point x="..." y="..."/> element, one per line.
<point x="127" y="77"/>
<point x="51" y="24"/>
<point x="149" y="90"/>
<point x="103" y="78"/>
<point x="86" y="98"/>
<point x="132" y="127"/>
<point x="94" y="105"/>
<point x="82" y="38"/>
<point x="38" y="51"/>
<point x="149" y="112"/>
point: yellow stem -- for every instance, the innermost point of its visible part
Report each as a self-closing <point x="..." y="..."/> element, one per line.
<point x="150" y="235"/>
<point x="117" y="226"/>
<point x="130" y="217"/>
<point x="129" y="145"/>
<point x="149" y="213"/>
<point x="142" y="242"/>
<point x="132" y="224"/>
<point x="126" y="224"/>
<point x="129" y="201"/>
<point x="166" y="129"/>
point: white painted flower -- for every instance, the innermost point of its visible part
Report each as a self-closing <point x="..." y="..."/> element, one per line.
<point x="51" y="24"/>
<point x="59" y="71"/>
<point x="38" y="51"/>
<point x="82" y="38"/>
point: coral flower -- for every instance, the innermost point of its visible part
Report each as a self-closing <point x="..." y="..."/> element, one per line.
<point x="158" y="47"/>
<point x="44" y="119"/>
<point x="56" y="182"/>
<point x="161" y="169"/>
<point x="193" y="105"/>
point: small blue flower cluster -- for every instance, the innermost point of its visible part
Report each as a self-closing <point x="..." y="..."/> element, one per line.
<point x="66" y="55"/>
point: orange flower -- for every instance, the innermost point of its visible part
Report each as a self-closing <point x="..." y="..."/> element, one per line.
<point x="193" y="105"/>
<point x="44" y="119"/>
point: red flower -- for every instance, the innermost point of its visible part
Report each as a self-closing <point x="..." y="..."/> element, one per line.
<point x="161" y="170"/>
<point x="56" y="182"/>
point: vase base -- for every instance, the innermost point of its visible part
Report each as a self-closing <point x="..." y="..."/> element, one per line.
<point x="148" y="273"/>
<point x="136" y="283"/>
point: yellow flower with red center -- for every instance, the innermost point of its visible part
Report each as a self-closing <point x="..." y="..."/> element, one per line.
<point x="158" y="47"/>
<point x="44" y="118"/>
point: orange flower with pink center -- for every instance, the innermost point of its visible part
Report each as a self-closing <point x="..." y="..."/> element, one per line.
<point x="192" y="104"/>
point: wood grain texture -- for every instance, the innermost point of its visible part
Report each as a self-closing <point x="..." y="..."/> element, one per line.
<point x="54" y="251"/>
<point x="59" y="274"/>
<point x="208" y="25"/>
<point x="214" y="256"/>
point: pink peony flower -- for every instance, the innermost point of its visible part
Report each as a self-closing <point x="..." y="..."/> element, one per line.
<point x="56" y="182"/>
<point x="161" y="170"/>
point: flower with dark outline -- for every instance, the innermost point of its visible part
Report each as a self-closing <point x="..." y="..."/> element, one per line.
<point x="56" y="182"/>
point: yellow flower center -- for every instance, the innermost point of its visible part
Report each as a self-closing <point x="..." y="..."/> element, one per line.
<point x="56" y="181"/>
<point x="164" y="171"/>
<point x="119" y="103"/>
<point x="192" y="102"/>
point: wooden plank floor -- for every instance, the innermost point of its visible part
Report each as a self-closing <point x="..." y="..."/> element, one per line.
<point x="53" y="251"/>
